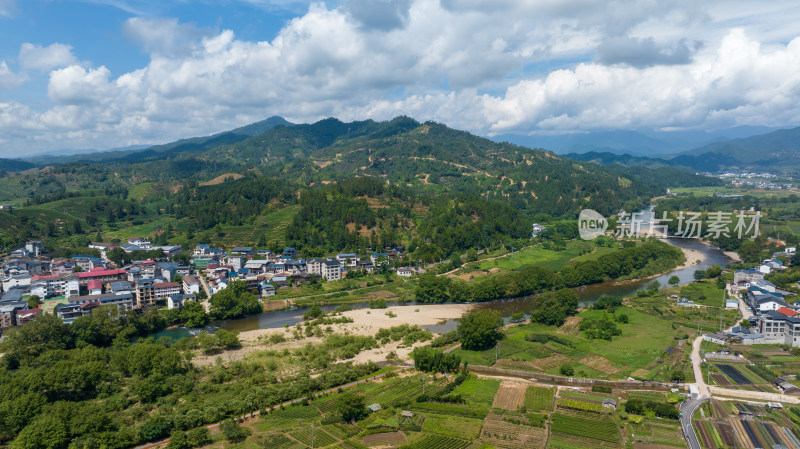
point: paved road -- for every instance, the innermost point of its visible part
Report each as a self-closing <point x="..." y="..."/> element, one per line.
<point x="688" y="408"/>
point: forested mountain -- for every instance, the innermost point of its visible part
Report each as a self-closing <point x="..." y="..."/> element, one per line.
<point x="14" y="165"/>
<point x="324" y="187"/>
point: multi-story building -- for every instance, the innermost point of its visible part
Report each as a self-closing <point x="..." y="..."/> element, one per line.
<point x="148" y="292"/>
<point x="314" y="266"/>
<point x="104" y="276"/>
<point x="331" y="270"/>
<point x="779" y="328"/>
<point x="191" y="285"/>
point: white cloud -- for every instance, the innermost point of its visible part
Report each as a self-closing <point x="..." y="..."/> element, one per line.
<point x="47" y="58"/>
<point x="9" y="79"/>
<point x="477" y="66"/>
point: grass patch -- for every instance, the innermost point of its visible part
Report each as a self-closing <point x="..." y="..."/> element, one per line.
<point x="539" y="398"/>
<point x="478" y="391"/>
<point x="453" y="426"/>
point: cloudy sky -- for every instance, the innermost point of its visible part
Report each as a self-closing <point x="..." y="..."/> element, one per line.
<point x="109" y="73"/>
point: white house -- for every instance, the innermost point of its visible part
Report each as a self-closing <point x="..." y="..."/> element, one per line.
<point x="141" y="243"/>
<point x="191" y="285"/>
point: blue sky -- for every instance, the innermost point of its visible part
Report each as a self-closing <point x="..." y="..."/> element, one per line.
<point x="111" y="73"/>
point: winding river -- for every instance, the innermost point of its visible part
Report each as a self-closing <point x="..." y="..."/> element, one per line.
<point x="588" y="295"/>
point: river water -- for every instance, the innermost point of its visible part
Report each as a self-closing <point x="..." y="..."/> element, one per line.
<point x="588" y="295"/>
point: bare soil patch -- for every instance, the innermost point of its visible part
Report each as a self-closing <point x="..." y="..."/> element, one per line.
<point x="599" y="363"/>
<point x="222" y="178"/>
<point x="510" y="395"/>
<point x="384" y="438"/>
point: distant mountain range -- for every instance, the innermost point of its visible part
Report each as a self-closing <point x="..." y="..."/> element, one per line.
<point x="776" y="151"/>
<point x="150" y="152"/>
<point x="637" y="143"/>
<point x="14" y="165"/>
<point x="741" y="148"/>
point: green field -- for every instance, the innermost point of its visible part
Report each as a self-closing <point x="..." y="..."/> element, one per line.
<point x="539" y="399"/>
<point x="478" y="391"/>
<point x="538" y="255"/>
<point x="704" y="292"/>
<point x="453" y="426"/>
<point x="586" y="426"/>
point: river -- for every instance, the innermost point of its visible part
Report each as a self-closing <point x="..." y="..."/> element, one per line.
<point x="588" y="295"/>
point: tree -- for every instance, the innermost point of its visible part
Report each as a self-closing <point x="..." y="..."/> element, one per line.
<point x="233" y="432"/>
<point x="46" y="332"/>
<point x="228" y="339"/>
<point x="674" y="280"/>
<point x="677" y="376"/>
<point x="194" y="314"/>
<point x="653" y="287"/>
<point x="699" y="275"/>
<point x="44" y="432"/>
<point x="313" y="312"/>
<point x="352" y="407"/>
<point x="566" y="370"/>
<point x="479" y="329"/>
<point x="178" y="440"/>
<point x="750" y="251"/>
<point x="745" y="324"/>
<point x="234" y="301"/>
<point x="553" y="308"/>
<point x="713" y="271"/>
<point x="33" y="301"/>
<point x="199" y="437"/>
<point x="432" y="360"/>
<point x="607" y="302"/>
<point x="432" y="289"/>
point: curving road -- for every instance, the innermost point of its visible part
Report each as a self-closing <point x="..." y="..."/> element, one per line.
<point x="687" y="410"/>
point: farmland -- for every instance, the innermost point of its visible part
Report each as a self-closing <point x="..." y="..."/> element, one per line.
<point x="586" y="426"/>
<point x="539" y="399"/>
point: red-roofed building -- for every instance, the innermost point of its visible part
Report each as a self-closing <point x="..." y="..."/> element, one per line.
<point x="95" y="287"/>
<point x="23" y="316"/>
<point x="101" y="275"/>
<point x="787" y="312"/>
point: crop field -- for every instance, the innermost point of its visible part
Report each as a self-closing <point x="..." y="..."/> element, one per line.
<point x="539" y="399"/>
<point x="478" y="391"/>
<point x="441" y="442"/>
<point x="505" y="435"/>
<point x="465" y="411"/>
<point x="657" y="433"/>
<point x="586" y="426"/>
<point x="384" y="438"/>
<point x="510" y="396"/>
<point x="319" y="436"/>
<point x="387" y="393"/>
<point x="281" y="442"/>
<point x="734" y="374"/>
<point x="584" y="406"/>
<point x="452" y="426"/>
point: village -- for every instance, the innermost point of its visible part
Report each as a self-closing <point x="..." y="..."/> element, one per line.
<point x="34" y="283"/>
